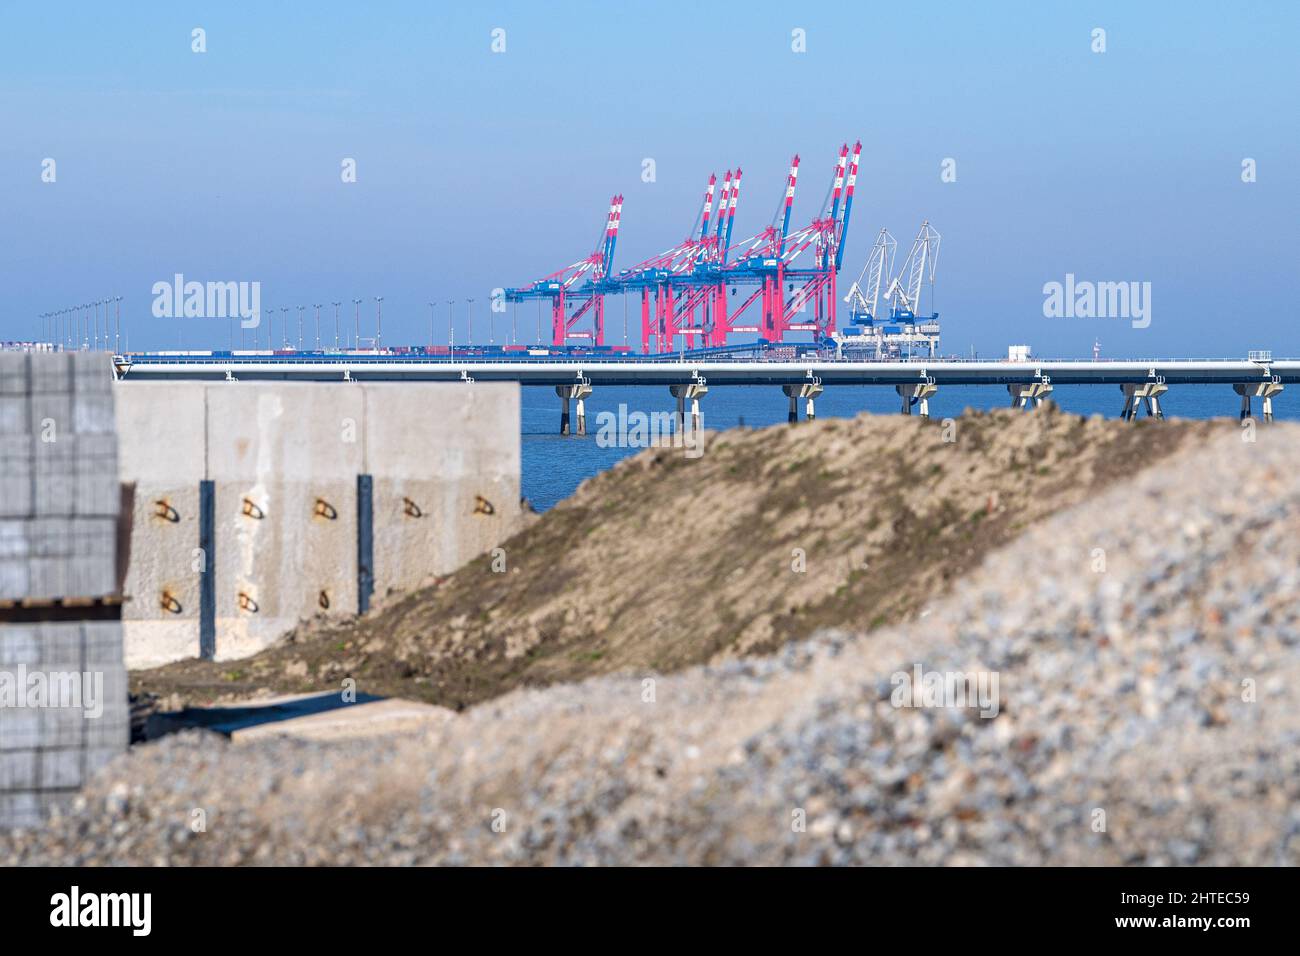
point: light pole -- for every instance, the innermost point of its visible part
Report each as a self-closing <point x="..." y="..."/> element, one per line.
<point x="450" y="330"/>
<point x="284" y="326"/>
<point x="469" y="319"/>
<point x="301" y="310"/>
<point x="430" y="326"/>
<point x="379" y="322"/>
<point x="336" y="324"/>
<point x="317" y="307"/>
<point x="117" y="335"/>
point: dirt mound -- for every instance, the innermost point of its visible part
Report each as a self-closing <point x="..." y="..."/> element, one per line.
<point x="1146" y="645"/>
<point x="667" y="561"/>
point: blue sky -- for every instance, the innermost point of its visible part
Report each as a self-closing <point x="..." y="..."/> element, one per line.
<point x="477" y="170"/>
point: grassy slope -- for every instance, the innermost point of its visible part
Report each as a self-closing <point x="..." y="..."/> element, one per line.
<point x="664" y="561"/>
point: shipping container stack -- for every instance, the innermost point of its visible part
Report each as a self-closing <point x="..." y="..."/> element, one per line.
<point x="63" y="684"/>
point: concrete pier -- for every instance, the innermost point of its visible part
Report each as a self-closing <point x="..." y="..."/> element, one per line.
<point x="808" y="391"/>
<point x="1264" y="391"/>
<point x="1146" y="394"/>
<point x="1029" y="394"/>
<point x="919" y="395"/>
<point x="692" y="392"/>
<point x="579" y="393"/>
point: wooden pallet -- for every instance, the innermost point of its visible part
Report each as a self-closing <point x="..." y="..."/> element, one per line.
<point x="106" y="607"/>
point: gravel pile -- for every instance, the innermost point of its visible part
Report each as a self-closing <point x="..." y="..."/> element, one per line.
<point x="1145" y="643"/>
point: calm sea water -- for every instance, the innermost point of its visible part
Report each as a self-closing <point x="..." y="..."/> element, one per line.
<point x="553" y="466"/>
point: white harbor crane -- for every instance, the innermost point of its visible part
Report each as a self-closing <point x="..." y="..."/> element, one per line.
<point x="863" y="301"/>
<point x="904" y="331"/>
<point x="905" y="289"/>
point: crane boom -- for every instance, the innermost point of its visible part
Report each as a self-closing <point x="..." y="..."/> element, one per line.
<point x="863" y="300"/>
<point x="920" y="264"/>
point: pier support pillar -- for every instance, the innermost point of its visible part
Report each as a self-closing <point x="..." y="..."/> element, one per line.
<point x="691" y="392"/>
<point x="578" y="393"/>
<point x="918" y="395"/>
<point x="1030" y="394"/>
<point x="809" y="394"/>
<point x="808" y="391"/>
<point x="1265" y="391"/>
<point x="1142" y="393"/>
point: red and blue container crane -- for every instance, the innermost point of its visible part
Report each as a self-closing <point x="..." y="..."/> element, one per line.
<point x="684" y="289"/>
<point x="571" y="297"/>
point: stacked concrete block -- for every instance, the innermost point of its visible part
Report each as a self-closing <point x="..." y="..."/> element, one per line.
<point x="63" y="684"/>
<point x="51" y="744"/>
<point x="59" y="493"/>
<point x="15" y="444"/>
<point x="284" y="460"/>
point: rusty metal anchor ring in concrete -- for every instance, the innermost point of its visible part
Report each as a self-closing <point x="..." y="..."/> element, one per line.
<point x="246" y="602"/>
<point x="482" y="506"/>
<point x="252" y="510"/>
<point x="169" y="603"/>
<point x="162" y="509"/>
<point x="325" y="510"/>
<point x="411" y="509"/>
<point x="323" y="599"/>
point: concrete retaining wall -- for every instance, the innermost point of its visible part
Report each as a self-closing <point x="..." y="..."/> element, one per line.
<point x="284" y="461"/>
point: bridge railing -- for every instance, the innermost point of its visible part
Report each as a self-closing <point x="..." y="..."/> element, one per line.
<point x="145" y="359"/>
